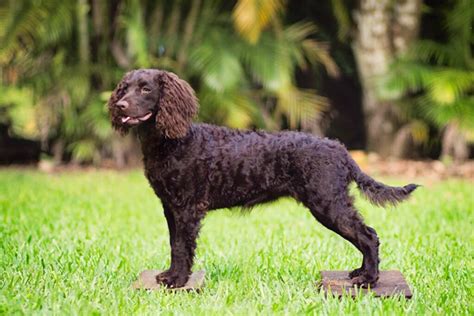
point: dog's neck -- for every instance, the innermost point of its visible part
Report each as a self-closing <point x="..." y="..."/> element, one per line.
<point x="153" y="141"/>
<point x="150" y="137"/>
<point x="147" y="131"/>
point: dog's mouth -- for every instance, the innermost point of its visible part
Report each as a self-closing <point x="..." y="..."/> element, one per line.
<point x="135" y="120"/>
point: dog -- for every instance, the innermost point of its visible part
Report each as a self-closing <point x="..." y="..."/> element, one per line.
<point x="196" y="168"/>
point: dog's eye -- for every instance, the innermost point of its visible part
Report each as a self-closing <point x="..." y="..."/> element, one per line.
<point x="146" y="90"/>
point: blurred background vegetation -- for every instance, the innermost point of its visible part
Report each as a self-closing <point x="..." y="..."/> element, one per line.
<point x="394" y="77"/>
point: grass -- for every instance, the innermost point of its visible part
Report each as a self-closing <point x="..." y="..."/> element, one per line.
<point x="72" y="243"/>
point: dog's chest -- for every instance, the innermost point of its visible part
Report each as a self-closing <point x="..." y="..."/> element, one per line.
<point x="174" y="181"/>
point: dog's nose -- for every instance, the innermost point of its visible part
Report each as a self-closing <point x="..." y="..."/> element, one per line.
<point x="122" y="105"/>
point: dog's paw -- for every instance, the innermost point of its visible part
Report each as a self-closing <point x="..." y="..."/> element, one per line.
<point x="171" y="279"/>
<point x="365" y="281"/>
<point x="356" y="272"/>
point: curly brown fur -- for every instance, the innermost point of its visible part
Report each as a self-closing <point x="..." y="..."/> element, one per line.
<point x="114" y="111"/>
<point x="178" y="106"/>
<point x="194" y="168"/>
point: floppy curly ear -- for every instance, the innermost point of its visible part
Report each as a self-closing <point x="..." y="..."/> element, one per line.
<point x="177" y="105"/>
<point x="118" y="94"/>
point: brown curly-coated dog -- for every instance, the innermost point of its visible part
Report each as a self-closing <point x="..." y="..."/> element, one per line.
<point x="194" y="168"/>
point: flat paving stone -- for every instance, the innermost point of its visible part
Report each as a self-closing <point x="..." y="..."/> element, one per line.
<point x="147" y="281"/>
<point x="390" y="283"/>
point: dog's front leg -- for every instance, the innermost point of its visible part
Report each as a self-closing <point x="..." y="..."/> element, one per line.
<point x="172" y="233"/>
<point x="183" y="246"/>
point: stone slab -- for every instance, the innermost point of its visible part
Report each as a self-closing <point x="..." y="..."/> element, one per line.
<point x="147" y="281"/>
<point x="390" y="283"/>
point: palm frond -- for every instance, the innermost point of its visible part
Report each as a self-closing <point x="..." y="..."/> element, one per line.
<point x="446" y="85"/>
<point x="32" y="24"/>
<point x="269" y="63"/>
<point x="461" y="112"/>
<point x="317" y="52"/>
<point x="419" y="131"/>
<point x="342" y="15"/>
<point x="217" y="62"/>
<point x="234" y="108"/>
<point x="96" y="119"/>
<point x="303" y="48"/>
<point x="84" y="150"/>
<point x="459" y="18"/>
<point x="15" y="105"/>
<point x="300" y="106"/>
<point x="404" y="77"/>
<point x="252" y="16"/>
<point x="428" y="51"/>
<point x="136" y="34"/>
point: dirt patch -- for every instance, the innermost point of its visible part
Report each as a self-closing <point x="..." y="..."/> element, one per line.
<point x="426" y="169"/>
<point x="429" y="170"/>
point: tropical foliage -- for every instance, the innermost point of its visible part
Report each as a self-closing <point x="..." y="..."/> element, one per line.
<point x="60" y="59"/>
<point x="434" y="82"/>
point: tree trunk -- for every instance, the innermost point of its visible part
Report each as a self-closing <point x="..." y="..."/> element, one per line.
<point x="385" y="29"/>
<point x="172" y="28"/>
<point x="188" y="33"/>
<point x="404" y="145"/>
<point x="454" y="144"/>
<point x="83" y="32"/>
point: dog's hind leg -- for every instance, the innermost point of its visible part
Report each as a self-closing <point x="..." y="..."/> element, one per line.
<point x="340" y="216"/>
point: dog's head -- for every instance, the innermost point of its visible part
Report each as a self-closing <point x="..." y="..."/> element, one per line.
<point x="150" y="94"/>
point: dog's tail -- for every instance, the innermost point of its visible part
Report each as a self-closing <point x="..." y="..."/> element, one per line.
<point x="377" y="192"/>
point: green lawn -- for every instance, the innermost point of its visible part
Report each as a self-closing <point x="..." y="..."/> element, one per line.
<point x="72" y="243"/>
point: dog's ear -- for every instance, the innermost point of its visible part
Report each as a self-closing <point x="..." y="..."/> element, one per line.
<point x="118" y="94"/>
<point x="177" y="105"/>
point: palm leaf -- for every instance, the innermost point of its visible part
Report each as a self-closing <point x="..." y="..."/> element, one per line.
<point x="84" y="150"/>
<point x="446" y="85"/>
<point x="96" y="119"/>
<point x="233" y="108"/>
<point x="342" y="15"/>
<point x="252" y="16"/>
<point x="427" y="51"/>
<point x="32" y="24"/>
<point x="269" y="63"/>
<point x="217" y="62"/>
<point x="461" y="111"/>
<point x="137" y="42"/>
<point x="15" y="104"/>
<point x="300" y="106"/>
